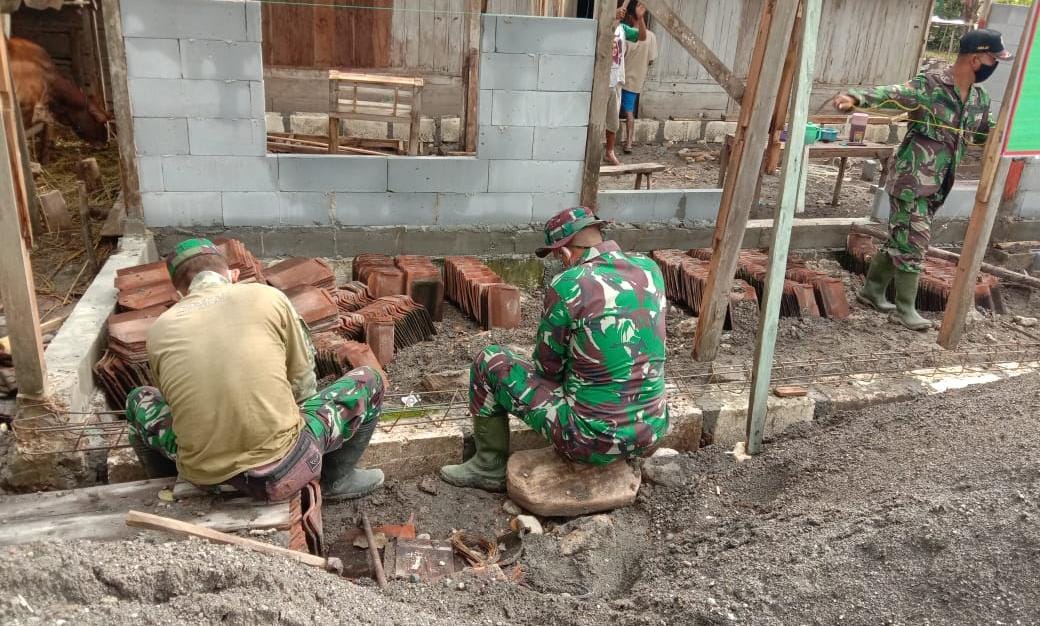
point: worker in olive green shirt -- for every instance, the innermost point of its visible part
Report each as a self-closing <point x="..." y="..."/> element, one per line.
<point x="236" y="399"/>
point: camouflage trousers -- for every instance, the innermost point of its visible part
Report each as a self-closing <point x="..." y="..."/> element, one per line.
<point x="910" y="226"/>
<point x="333" y="415"/>
<point x="501" y="383"/>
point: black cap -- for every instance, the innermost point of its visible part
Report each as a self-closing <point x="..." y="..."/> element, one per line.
<point x="984" y="40"/>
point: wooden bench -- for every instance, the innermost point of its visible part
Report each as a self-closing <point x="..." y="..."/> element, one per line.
<point x="377" y="98"/>
<point x="641" y="170"/>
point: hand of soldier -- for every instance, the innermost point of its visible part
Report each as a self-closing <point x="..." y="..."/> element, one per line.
<point x="844" y="102"/>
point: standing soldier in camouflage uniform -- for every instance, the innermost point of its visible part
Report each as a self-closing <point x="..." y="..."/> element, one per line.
<point x="236" y="400"/>
<point x="596" y="387"/>
<point x="947" y="109"/>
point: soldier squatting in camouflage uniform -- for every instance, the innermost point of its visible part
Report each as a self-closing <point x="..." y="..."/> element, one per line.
<point x="596" y="387"/>
<point x="946" y="110"/>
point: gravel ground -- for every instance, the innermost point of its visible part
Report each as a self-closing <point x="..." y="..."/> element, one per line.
<point x="912" y="513"/>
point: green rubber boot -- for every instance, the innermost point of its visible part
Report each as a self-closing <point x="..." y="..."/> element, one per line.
<point x="879" y="275"/>
<point x="340" y="479"/>
<point x="906" y="302"/>
<point x="487" y="469"/>
<point x="155" y="465"/>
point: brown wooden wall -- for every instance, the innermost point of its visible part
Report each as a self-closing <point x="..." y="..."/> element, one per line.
<point x="67" y="35"/>
<point x="324" y="36"/>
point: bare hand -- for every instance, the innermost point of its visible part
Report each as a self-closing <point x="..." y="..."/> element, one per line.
<point x="619" y="15"/>
<point x="844" y="102"/>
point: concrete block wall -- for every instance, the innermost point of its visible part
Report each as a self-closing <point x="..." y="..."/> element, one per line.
<point x="197" y="98"/>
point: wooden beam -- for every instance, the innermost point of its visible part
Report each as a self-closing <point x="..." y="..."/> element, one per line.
<point x="693" y="44"/>
<point x="16" y="277"/>
<point x="137" y="519"/>
<point x="471" y="76"/>
<point x="605" y="17"/>
<point x="739" y="191"/>
<point x="794" y="162"/>
<point x="987" y="203"/>
<point x="128" y="176"/>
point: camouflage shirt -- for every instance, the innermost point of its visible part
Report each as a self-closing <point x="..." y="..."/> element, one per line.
<point x="940" y="125"/>
<point x="602" y="335"/>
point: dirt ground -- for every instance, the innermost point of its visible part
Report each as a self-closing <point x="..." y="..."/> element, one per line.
<point x="856" y="195"/>
<point x="912" y="513"/>
<point x="865" y="331"/>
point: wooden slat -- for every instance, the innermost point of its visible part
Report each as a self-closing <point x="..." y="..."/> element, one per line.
<point x="323" y="35"/>
<point x="741" y="186"/>
<point x="598" y="108"/>
<point x="693" y="44"/>
<point x="631" y="168"/>
<point x="987" y="203"/>
<point x="804" y="61"/>
<point x="19" y="178"/>
<point x="377" y="79"/>
<point x="130" y="183"/>
<point x="471" y="76"/>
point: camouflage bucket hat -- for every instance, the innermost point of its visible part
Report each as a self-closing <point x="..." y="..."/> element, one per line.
<point x="563" y="226"/>
<point x="189" y="249"/>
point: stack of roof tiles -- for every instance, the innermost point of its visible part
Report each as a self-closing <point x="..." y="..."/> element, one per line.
<point x="686" y="278"/>
<point x="316" y="306"/>
<point x="380" y="273"/>
<point x="937" y="277"/>
<point x="423" y="282"/>
<point x="125" y="364"/>
<point x="352" y="297"/>
<point x="481" y="293"/>
<point x="144" y="286"/>
<point x="335" y="356"/>
<point x="297" y="271"/>
<point x="411" y="322"/>
<point x="240" y="258"/>
<point x="797" y="300"/>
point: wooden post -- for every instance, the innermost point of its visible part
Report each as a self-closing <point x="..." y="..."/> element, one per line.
<point x="471" y="76"/>
<point x="19" y="292"/>
<point x="739" y="191"/>
<point x="794" y="157"/>
<point x="693" y="44"/>
<point x="783" y="99"/>
<point x="605" y="17"/>
<point x="128" y="176"/>
<point x="84" y="218"/>
<point x="20" y="174"/>
<point x="987" y="203"/>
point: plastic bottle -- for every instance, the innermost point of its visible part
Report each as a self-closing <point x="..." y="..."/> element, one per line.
<point x="858" y="127"/>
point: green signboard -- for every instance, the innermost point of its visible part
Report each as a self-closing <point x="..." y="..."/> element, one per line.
<point x="1023" y="137"/>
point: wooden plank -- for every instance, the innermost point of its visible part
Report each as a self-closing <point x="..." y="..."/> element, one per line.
<point x="783" y="220"/>
<point x="16" y="276"/>
<point x="605" y="16"/>
<point x="740" y="188"/>
<point x="128" y="176"/>
<point x="323" y="35"/>
<point x="382" y="34"/>
<point x="377" y="79"/>
<point x="693" y="44"/>
<point x="138" y="519"/>
<point x="987" y="202"/>
<point x="471" y="76"/>
<point x="631" y="168"/>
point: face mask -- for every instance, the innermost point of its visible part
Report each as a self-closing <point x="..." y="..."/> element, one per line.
<point x="985" y="72"/>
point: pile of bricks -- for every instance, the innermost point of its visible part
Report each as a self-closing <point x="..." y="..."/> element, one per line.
<point x="296" y="271"/>
<point x="481" y="293"/>
<point x="937" y="277"/>
<point x="686" y="278"/>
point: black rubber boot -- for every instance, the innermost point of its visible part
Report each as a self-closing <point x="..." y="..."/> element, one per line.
<point x="340" y="479"/>
<point x="906" y="302"/>
<point x="487" y="469"/>
<point x="154" y="463"/>
<point x="879" y="276"/>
